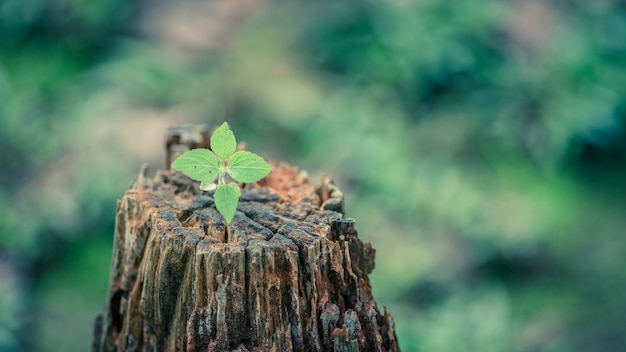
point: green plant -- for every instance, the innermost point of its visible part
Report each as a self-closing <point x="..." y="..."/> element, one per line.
<point x="206" y="166"/>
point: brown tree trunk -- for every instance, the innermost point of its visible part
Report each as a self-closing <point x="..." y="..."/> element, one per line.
<point x="288" y="273"/>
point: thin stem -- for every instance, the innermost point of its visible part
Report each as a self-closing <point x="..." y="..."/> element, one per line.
<point x="221" y="172"/>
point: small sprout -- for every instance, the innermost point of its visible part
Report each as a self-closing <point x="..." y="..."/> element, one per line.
<point x="207" y="166"/>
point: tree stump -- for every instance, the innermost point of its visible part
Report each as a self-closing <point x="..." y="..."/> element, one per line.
<point x="288" y="274"/>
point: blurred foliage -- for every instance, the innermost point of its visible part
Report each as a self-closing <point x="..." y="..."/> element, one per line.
<point x="481" y="145"/>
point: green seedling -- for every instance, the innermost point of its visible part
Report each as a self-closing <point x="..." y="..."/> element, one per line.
<point x="206" y="166"/>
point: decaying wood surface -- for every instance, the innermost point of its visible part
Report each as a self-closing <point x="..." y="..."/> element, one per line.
<point x="288" y="273"/>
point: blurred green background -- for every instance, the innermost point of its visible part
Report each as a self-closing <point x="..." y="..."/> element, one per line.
<point x="481" y="146"/>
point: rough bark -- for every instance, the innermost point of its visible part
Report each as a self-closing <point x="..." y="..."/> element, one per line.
<point x="288" y="273"/>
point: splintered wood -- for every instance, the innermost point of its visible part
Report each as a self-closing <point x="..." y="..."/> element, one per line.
<point x="288" y="274"/>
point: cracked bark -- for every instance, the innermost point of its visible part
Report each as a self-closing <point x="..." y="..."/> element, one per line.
<point x="288" y="273"/>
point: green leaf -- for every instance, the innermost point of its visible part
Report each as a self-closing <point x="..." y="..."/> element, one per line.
<point x="208" y="185"/>
<point x="247" y="167"/>
<point x="226" y="200"/>
<point x="223" y="141"/>
<point x="198" y="164"/>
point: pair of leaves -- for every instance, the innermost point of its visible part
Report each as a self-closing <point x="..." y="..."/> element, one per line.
<point x="206" y="165"/>
<point x="203" y="165"/>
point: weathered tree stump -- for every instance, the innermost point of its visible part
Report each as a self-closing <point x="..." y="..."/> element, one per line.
<point x="288" y="273"/>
